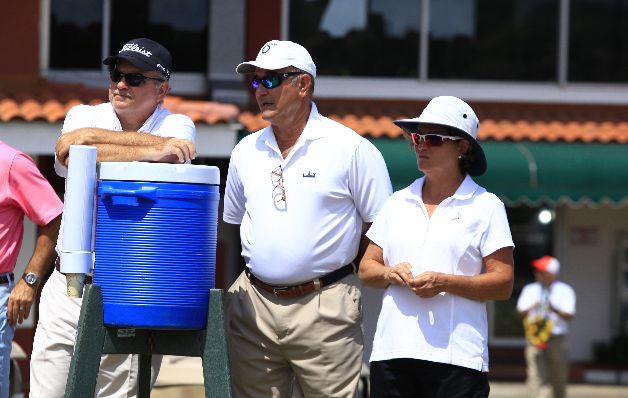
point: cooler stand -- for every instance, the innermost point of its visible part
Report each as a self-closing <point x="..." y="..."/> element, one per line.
<point x="94" y="338"/>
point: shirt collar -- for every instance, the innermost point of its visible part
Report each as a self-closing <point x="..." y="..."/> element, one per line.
<point x="148" y="123"/>
<point x="466" y="189"/>
<point x="310" y="132"/>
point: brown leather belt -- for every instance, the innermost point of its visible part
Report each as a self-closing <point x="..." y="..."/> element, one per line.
<point x="302" y="289"/>
<point x="88" y="278"/>
<point x="6" y="278"/>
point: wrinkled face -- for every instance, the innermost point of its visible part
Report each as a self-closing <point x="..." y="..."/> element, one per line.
<point x="137" y="99"/>
<point x="438" y="153"/>
<point x="279" y="103"/>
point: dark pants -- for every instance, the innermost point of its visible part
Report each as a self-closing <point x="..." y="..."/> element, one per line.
<point x="414" y="378"/>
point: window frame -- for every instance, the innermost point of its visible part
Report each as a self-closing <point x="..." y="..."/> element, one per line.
<point x="182" y="83"/>
<point x="422" y="87"/>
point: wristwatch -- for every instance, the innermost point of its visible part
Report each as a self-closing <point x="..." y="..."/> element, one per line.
<point x="31" y="279"/>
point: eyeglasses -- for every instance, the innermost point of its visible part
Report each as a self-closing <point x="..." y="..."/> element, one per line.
<point x="279" y="191"/>
<point x="431" y="140"/>
<point x="272" y="80"/>
<point x="132" y="79"/>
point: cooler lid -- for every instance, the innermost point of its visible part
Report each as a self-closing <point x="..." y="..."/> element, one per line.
<point x="159" y="172"/>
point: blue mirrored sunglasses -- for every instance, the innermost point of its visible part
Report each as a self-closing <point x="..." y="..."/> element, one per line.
<point x="272" y="80"/>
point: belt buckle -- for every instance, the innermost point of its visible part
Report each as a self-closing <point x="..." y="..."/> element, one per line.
<point x="278" y="290"/>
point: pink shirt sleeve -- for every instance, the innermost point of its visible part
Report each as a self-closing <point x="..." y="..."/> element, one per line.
<point x="32" y="192"/>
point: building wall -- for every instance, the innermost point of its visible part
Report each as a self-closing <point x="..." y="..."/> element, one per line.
<point x="263" y="21"/>
<point x="19" y="19"/>
<point x="586" y="245"/>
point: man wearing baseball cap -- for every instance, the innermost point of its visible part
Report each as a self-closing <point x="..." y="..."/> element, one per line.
<point x="547" y="306"/>
<point x="302" y="190"/>
<point x="132" y="126"/>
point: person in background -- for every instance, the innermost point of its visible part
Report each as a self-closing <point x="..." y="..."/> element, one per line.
<point x="441" y="248"/>
<point x="302" y="190"/>
<point x="131" y="126"/>
<point x="23" y="191"/>
<point x="546" y="307"/>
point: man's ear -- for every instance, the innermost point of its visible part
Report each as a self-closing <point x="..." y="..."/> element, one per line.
<point x="163" y="89"/>
<point x="305" y="82"/>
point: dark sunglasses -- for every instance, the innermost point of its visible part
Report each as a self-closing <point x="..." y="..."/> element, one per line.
<point x="431" y="140"/>
<point x="132" y="79"/>
<point x="272" y="80"/>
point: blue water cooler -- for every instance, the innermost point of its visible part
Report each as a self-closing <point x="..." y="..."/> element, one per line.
<point x="156" y="231"/>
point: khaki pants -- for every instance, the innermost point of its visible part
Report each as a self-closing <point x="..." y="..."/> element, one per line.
<point x="548" y="368"/>
<point x="314" y="341"/>
<point x="54" y="344"/>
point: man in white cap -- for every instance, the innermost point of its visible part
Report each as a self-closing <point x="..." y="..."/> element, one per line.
<point x="302" y="189"/>
<point x="547" y="306"/>
<point x="131" y="126"/>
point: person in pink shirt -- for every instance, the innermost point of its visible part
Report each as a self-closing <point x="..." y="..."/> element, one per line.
<point x="23" y="191"/>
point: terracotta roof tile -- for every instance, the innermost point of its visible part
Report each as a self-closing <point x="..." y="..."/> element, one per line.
<point x="498" y="121"/>
<point x="39" y="99"/>
<point x="42" y="100"/>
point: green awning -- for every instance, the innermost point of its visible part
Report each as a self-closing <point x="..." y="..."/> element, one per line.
<point x="534" y="172"/>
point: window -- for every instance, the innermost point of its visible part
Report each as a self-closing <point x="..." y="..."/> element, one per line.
<point x="75" y="34"/>
<point x="493" y="39"/>
<point x="468" y="39"/>
<point x="359" y="37"/>
<point x="81" y="29"/>
<point x="599" y="41"/>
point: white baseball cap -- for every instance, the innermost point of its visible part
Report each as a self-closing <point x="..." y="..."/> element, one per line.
<point x="452" y="112"/>
<point x="547" y="264"/>
<point x="278" y="54"/>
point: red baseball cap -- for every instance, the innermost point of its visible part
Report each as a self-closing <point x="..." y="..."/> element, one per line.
<point x="547" y="264"/>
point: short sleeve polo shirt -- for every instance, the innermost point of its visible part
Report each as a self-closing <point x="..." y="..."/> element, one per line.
<point x="333" y="179"/>
<point x="23" y="191"/>
<point x="463" y="229"/>
<point x="161" y="123"/>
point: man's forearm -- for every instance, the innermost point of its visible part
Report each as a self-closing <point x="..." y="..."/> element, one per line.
<point x="44" y="252"/>
<point x="123" y="153"/>
<point x="94" y="136"/>
<point x="126" y="146"/>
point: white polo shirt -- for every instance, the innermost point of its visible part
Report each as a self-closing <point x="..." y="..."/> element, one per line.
<point x="561" y="296"/>
<point x="161" y="123"/>
<point x="334" y="180"/>
<point x="463" y="229"/>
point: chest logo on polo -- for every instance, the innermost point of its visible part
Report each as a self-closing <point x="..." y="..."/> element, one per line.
<point x="309" y="174"/>
<point x="456" y="217"/>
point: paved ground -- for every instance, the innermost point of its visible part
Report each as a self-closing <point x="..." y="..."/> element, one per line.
<point x="518" y="390"/>
<point x="498" y="390"/>
<point x="182" y="377"/>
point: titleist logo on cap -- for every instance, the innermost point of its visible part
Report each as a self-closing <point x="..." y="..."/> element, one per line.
<point x="135" y="48"/>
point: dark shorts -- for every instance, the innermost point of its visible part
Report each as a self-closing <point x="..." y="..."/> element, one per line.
<point x="414" y="378"/>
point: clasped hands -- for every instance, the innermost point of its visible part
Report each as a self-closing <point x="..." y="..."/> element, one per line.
<point x="427" y="284"/>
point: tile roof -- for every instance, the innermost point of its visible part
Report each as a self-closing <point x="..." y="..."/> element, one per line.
<point x="48" y="101"/>
<point x="498" y="121"/>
